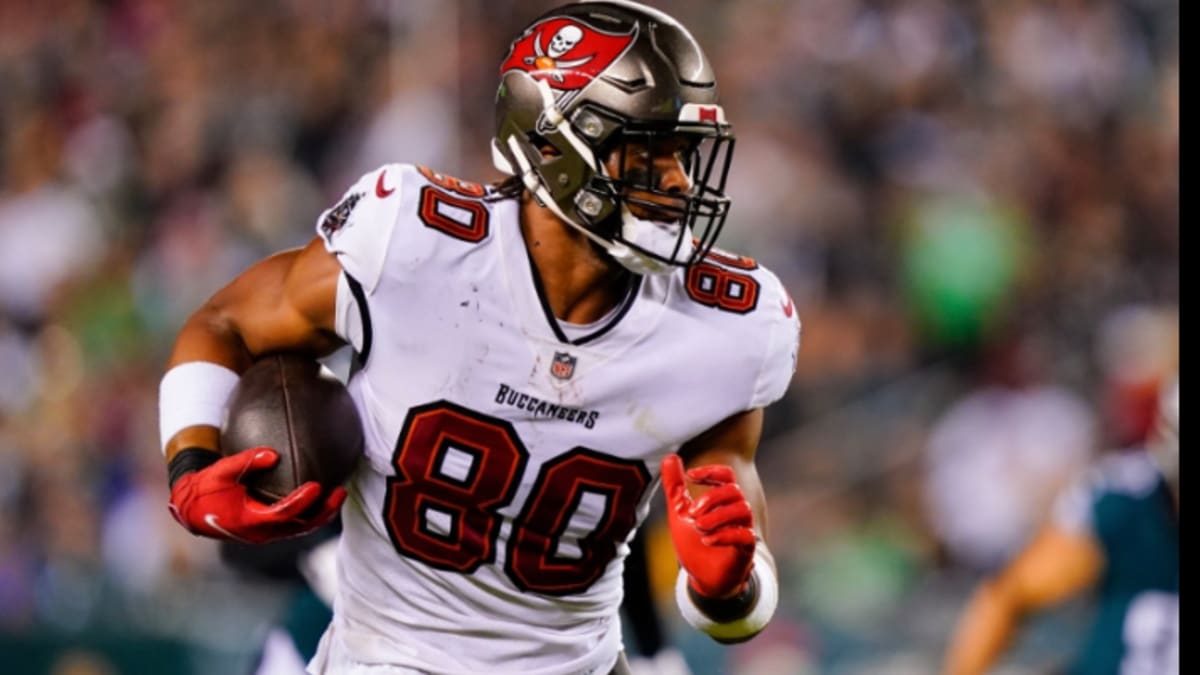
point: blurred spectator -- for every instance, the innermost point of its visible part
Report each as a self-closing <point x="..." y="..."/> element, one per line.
<point x="962" y="262"/>
<point x="1114" y="534"/>
<point x="999" y="454"/>
<point x="48" y="233"/>
<point x="1137" y="351"/>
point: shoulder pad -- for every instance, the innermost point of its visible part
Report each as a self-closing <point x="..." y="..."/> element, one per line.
<point x="1130" y="472"/>
<point x="745" y="302"/>
<point x="782" y="340"/>
<point x="359" y="227"/>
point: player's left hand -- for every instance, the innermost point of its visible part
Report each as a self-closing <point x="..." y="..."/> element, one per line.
<point x="713" y="534"/>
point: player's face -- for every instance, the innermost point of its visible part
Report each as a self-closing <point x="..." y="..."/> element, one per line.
<point x="655" y="176"/>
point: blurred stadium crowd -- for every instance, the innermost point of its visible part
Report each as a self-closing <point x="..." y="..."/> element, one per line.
<point x="974" y="204"/>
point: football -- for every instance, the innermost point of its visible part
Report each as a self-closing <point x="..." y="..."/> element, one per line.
<point x="289" y="403"/>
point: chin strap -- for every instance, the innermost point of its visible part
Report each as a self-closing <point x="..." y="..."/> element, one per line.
<point x="630" y="225"/>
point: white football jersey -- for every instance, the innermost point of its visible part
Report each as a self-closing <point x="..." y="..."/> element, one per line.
<point x="509" y="459"/>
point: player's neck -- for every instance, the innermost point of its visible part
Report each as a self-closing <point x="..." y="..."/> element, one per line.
<point x="582" y="284"/>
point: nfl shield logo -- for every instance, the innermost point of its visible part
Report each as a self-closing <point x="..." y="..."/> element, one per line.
<point x="563" y="366"/>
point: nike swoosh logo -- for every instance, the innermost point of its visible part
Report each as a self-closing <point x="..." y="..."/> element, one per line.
<point x="788" y="308"/>
<point x="211" y="521"/>
<point x="381" y="191"/>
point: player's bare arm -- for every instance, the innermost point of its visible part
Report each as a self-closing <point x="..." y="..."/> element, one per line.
<point x="717" y="514"/>
<point x="284" y="303"/>
<point x="1056" y="566"/>
<point x="733" y="443"/>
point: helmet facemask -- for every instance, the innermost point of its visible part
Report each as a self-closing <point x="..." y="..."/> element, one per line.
<point x="674" y="225"/>
<point x="642" y="225"/>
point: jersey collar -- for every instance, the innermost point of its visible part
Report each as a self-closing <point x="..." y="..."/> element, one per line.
<point x="636" y="315"/>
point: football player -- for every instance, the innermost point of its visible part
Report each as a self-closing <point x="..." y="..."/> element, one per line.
<point x="532" y="359"/>
<point x="1116" y="532"/>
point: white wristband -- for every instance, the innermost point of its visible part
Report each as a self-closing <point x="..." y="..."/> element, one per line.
<point x="758" y="617"/>
<point x="191" y="394"/>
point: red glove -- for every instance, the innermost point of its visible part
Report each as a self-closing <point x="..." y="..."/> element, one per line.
<point x="713" y="535"/>
<point x="213" y="502"/>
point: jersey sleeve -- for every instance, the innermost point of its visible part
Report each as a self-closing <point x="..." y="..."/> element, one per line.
<point x="782" y="343"/>
<point x="359" y="228"/>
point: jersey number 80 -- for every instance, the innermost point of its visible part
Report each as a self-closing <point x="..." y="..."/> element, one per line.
<point x="456" y="468"/>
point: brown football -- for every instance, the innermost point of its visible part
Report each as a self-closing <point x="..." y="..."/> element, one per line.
<point x="287" y="403"/>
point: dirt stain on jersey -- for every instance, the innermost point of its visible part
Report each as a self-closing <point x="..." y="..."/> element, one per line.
<point x="646" y="423"/>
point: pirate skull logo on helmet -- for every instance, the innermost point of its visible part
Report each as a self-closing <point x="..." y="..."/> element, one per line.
<point x="564" y="40"/>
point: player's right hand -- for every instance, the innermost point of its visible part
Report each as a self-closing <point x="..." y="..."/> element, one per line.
<point x="213" y="502"/>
